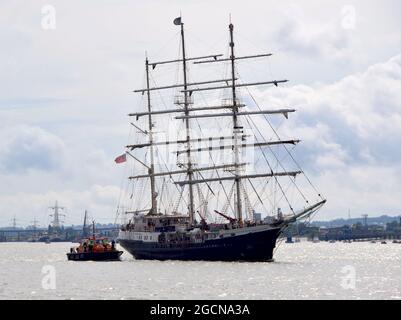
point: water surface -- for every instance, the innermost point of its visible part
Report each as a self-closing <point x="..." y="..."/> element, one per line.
<point x="301" y="271"/>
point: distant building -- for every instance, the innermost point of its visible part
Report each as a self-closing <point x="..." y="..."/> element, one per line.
<point x="257" y="217"/>
<point x="268" y="219"/>
<point x="323" y="231"/>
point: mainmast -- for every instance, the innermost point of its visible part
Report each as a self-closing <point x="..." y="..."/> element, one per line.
<point x="237" y="128"/>
<point x="186" y="109"/>
<point x="153" y="210"/>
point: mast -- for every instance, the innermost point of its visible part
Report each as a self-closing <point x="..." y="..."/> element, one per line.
<point x="84" y="225"/>
<point x="237" y="129"/>
<point x="186" y="108"/>
<point x="153" y="210"/>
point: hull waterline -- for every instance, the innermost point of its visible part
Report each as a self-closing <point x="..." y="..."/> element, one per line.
<point x="95" y="256"/>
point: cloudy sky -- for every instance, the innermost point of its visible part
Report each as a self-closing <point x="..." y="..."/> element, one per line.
<point x="66" y="86"/>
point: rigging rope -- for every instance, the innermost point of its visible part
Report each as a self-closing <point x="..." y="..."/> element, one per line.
<point x="285" y="147"/>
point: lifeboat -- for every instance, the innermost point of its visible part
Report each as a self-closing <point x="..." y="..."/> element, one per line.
<point x="96" y="249"/>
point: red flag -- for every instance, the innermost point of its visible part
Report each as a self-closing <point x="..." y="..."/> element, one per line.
<point x="121" y="159"/>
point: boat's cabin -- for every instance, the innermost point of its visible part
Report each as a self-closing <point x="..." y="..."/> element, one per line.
<point x="95" y="241"/>
<point x="157" y="223"/>
<point x="94" y="244"/>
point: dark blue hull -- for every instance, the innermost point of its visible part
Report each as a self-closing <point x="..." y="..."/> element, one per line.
<point x="254" y="246"/>
<point x="95" y="256"/>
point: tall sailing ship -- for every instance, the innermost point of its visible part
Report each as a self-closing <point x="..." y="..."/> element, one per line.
<point x="185" y="210"/>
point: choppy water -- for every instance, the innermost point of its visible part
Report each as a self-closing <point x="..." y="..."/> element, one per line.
<point x="300" y="271"/>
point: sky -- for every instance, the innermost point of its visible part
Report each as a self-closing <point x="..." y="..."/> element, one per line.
<point x="68" y="69"/>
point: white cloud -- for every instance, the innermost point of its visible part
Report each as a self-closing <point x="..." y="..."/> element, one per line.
<point x="25" y="148"/>
<point x="302" y="37"/>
